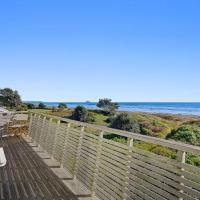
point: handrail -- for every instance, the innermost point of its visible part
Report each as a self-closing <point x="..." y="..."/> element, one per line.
<point x="158" y="141"/>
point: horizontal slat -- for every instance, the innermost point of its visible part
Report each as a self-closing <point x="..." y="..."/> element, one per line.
<point x="163" y="170"/>
<point x="89" y="166"/>
<point x="102" y="194"/>
<point x="113" y="162"/>
<point x="112" y="189"/>
<point x="155" y="185"/>
<point x="91" y="135"/>
<point x="114" y="168"/>
<point x="110" y="181"/>
<point x="141" y="186"/>
<point x="114" y="148"/>
<point x="112" y="152"/>
<point x="150" y="189"/>
<point x="137" y="192"/>
<point x="86" y="181"/>
<point x="72" y="137"/>
<point x="88" y="151"/>
<point x="111" y="173"/>
<point x="88" y="158"/>
<point x="86" y="172"/>
<point x="89" y="144"/>
<point x="108" y="191"/>
<point x="93" y="140"/>
<point x="160" y="181"/>
<point x="113" y="158"/>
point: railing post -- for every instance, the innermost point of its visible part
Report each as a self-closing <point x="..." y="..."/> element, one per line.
<point x="42" y="131"/>
<point x="37" y="131"/>
<point x="128" y="166"/>
<point x="181" y="158"/>
<point x="35" y="128"/>
<point x="78" y="152"/>
<point x="99" y="148"/>
<point x="65" y="144"/>
<point x="55" y="139"/>
<point x="48" y="130"/>
<point x="30" y="125"/>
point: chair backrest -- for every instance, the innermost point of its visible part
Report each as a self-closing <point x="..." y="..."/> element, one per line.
<point x="4" y="121"/>
<point x="21" y="117"/>
<point x="4" y="118"/>
<point x="2" y="157"/>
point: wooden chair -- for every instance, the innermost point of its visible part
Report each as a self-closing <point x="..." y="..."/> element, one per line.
<point x="4" y="121"/>
<point x="18" y="125"/>
<point x="2" y="154"/>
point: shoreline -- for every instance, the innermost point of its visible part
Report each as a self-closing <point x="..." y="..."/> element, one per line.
<point x="174" y="108"/>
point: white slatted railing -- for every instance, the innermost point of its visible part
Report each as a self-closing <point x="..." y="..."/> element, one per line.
<point x="111" y="170"/>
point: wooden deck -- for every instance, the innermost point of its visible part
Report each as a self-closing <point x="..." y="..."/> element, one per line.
<point x="26" y="176"/>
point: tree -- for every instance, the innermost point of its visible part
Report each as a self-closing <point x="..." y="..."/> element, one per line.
<point x="41" y="106"/>
<point x="22" y="107"/>
<point x="124" y="122"/>
<point x="108" y="106"/>
<point x="30" y="105"/>
<point x="10" y="98"/>
<point x="80" y="114"/>
<point x="62" y="106"/>
<point x="187" y="133"/>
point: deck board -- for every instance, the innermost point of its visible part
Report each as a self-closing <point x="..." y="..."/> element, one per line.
<point x="26" y="176"/>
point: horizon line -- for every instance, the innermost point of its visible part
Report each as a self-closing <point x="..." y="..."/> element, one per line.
<point x="114" y="101"/>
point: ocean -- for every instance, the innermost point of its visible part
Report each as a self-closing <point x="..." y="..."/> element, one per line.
<point x="185" y="108"/>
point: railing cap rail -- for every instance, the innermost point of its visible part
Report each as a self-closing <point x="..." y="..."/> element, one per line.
<point x="158" y="141"/>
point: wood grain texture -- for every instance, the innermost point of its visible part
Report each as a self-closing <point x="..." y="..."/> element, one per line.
<point x="27" y="177"/>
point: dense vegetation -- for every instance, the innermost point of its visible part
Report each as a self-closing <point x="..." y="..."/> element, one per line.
<point x="80" y="114"/>
<point x="10" y="98"/>
<point x="189" y="134"/>
<point x="123" y="122"/>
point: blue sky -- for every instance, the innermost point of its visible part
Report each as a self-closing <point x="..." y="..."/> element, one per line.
<point x="128" y="50"/>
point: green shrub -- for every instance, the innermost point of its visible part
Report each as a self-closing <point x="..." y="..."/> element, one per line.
<point x="124" y="122"/>
<point x="193" y="159"/>
<point x="62" y="106"/>
<point x="116" y="138"/>
<point x="187" y="133"/>
<point x="157" y="149"/>
<point x="30" y="105"/>
<point x="109" y="120"/>
<point x="80" y="114"/>
<point x="163" y="151"/>
<point x="108" y="106"/>
<point x="41" y="106"/>
<point x="22" y="107"/>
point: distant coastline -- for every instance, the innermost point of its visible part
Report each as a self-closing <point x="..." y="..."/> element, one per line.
<point x="184" y="108"/>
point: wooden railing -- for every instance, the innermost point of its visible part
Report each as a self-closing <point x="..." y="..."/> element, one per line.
<point x="111" y="170"/>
